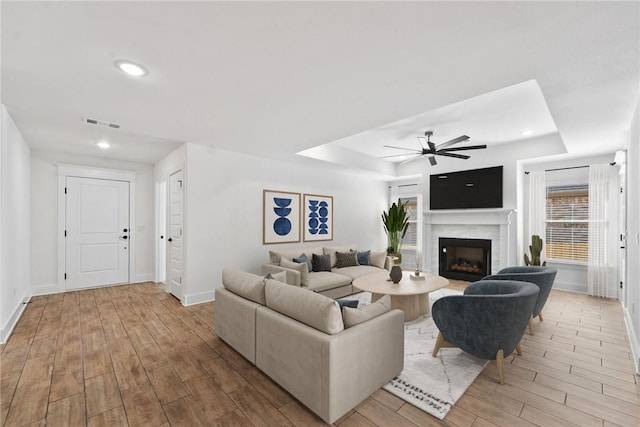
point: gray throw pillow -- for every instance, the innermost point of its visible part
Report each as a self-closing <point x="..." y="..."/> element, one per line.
<point x="346" y="259"/>
<point x="321" y="262"/>
<point x="304" y="258"/>
<point x="364" y="258"/>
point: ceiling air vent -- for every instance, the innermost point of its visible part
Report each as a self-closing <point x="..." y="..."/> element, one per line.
<point x="100" y="123"/>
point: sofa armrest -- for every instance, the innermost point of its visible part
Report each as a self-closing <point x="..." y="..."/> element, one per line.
<point x="388" y="263"/>
<point x="293" y="276"/>
<point x="330" y="374"/>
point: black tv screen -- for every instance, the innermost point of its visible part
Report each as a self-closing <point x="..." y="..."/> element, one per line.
<point x="470" y="189"/>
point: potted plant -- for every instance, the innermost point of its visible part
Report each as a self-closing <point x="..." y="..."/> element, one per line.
<point x="396" y="223"/>
<point x="536" y="250"/>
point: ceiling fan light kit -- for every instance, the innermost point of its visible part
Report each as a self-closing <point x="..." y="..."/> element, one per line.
<point x="428" y="148"/>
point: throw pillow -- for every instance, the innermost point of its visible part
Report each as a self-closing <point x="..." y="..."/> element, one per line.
<point x="304" y="258"/>
<point x="346" y="259"/>
<point x="364" y="258"/>
<point x="351" y="303"/>
<point x="280" y="276"/>
<point x="321" y="262"/>
<point x="300" y="266"/>
<point x="377" y="259"/>
<point x="353" y="316"/>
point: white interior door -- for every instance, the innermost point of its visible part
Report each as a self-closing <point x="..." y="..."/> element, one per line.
<point x="175" y="241"/>
<point x="161" y="232"/>
<point x="97" y="232"/>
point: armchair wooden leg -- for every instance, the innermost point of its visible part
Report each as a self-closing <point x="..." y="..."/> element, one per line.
<point x="540" y="316"/>
<point x="439" y="342"/>
<point x="500" y="365"/>
<point x="519" y="349"/>
<point x="531" y="324"/>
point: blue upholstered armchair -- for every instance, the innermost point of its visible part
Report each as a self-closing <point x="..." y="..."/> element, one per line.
<point x="487" y="321"/>
<point x="543" y="277"/>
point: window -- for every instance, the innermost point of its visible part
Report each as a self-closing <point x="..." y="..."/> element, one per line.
<point x="568" y="222"/>
<point x="410" y="240"/>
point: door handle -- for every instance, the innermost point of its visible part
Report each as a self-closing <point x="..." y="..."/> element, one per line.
<point x="169" y="239"/>
<point x="125" y="230"/>
<point x="124" y="237"/>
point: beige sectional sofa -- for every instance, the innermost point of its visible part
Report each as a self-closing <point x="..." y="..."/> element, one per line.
<point x="335" y="283"/>
<point x="328" y="359"/>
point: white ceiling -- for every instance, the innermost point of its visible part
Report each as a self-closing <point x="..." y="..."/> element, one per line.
<point x="275" y="79"/>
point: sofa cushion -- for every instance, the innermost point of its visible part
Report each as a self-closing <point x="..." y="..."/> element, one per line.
<point x="324" y="280"/>
<point x="246" y="285"/>
<point x="353" y="316"/>
<point x="321" y="263"/>
<point x="300" y="266"/>
<point x="315" y="310"/>
<point x="377" y="259"/>
<point x="275" y="256"/>
<point x="346" y="259"/>
<point x="359" y="271"/>
<point x="304" y="258"/>
<point x="280" y="277"/>
<point x="364" y="257"/>
<point x="331" y="251"/>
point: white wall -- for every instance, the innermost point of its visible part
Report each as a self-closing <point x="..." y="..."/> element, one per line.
<point x="44" y="215"/>
<point x="572" y="276"/>
<point x="224" y="211"/>
<point x="632" y="300"/>
<point x="14" y="224"/>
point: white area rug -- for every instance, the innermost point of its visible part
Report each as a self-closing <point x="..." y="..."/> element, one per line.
<point x="433" y="384"/>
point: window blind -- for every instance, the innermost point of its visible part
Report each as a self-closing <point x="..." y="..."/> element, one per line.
<point x="568" y="222"/>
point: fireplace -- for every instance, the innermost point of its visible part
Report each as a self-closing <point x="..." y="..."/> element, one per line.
<point x="464" y="259"/>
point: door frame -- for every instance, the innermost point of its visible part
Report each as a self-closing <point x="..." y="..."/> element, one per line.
<point x="66" y="170"/>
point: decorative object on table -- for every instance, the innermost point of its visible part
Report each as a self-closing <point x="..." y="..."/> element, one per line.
<point x="536" y="249"/>
<point x="396" y="274"/>
<point x="318" y="218"/>
<point x="416" y="275"/>
<point x="433" y="384"/>
<point x="281" y="217"/>
<point x="396" y="223"/>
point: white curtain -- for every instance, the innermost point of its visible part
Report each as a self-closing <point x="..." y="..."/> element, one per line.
<point x="537" y="207"/>
<point x="597" y="273"/>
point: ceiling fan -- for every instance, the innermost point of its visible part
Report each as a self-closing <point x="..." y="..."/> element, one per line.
<point x="428" y="148"/>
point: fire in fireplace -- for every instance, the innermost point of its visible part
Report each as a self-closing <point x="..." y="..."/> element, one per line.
<point x="464" y="259"/>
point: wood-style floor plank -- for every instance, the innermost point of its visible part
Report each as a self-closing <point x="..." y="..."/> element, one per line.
<point x="132" y="355"/>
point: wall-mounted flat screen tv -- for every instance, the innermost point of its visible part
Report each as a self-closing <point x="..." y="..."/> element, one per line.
<point x="470" y="189"/>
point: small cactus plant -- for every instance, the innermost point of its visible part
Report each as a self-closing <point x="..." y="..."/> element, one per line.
<point x="536" y="249"/>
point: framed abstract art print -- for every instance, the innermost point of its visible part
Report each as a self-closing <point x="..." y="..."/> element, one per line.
<point x="281" y="217"/>
<point x="317" y="218"/>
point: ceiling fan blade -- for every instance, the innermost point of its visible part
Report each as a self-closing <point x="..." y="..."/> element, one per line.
<point x="398" y="155"/>
<point x="409" y="160"/>
<point x="453" y="141"/>
<point x="402" y="148"/>
<point x="433" y="161"/>
<point x="471" y="147"/>
<point x="457" y="156"/>
<point x="423" y="142"/>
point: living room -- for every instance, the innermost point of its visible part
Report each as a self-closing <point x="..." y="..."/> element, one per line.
<point x="309" y="75"/>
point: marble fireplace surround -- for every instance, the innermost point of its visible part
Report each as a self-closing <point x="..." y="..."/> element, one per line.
<point x="496" y="225"/>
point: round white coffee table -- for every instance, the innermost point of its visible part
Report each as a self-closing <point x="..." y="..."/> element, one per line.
<point x="410" y="296"/>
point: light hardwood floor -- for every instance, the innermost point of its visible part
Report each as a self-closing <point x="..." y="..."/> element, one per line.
<point x="132" y="355"/>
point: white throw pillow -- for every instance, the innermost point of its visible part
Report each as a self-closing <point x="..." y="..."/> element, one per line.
<point x="302" y="267"/>
<point x="280" y="276"/>
<point x="377" y="259"/>
<point x="353" y="316"/>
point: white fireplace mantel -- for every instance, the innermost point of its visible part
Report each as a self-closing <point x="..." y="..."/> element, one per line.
<point x="476" y="223"/>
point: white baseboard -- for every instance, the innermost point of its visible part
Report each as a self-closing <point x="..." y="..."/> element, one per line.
<point x="573" y="287"/>
<point x="198" y="298"/>
<point x="6" y="330"/>
<point x="45" y="289"/>
<point x="148" y="277"/>
<point x="634" y="341"/>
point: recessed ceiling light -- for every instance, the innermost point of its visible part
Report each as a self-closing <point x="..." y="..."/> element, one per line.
<point x="526" y="132"/>
<point x="131" y="68"/>
<point x="103" y="144"/>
